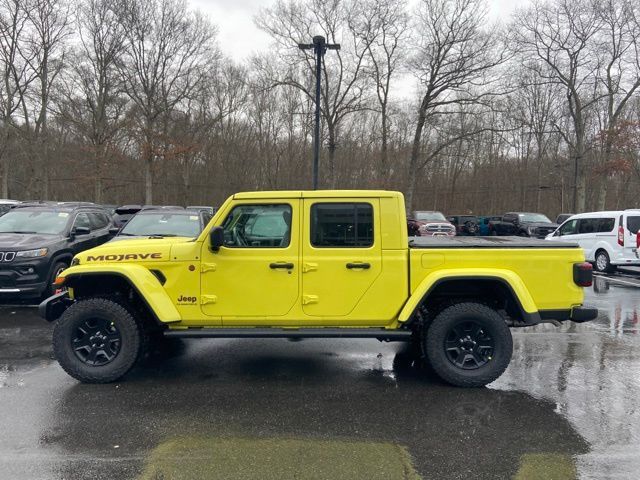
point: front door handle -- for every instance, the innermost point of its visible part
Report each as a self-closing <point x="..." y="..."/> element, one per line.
<point x="364" y="266"/>
<point x="287" y="266"/>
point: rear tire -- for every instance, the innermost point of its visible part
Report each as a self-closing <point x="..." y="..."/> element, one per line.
<point x="468" y="345"/>
<point x="603" y="262"/>
<point x="97" y="340"/>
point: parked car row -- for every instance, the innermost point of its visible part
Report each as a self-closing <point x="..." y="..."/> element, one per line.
<point x="39" y="239"/>
<point x="523" y="224"/>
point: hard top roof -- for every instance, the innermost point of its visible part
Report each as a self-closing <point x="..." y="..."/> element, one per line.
<point x="277" y="194"/>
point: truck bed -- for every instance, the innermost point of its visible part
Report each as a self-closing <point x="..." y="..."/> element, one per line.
<point x="485" y="242"/>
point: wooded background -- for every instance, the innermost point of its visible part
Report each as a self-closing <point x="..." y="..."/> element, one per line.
<point x="132" y="101"/>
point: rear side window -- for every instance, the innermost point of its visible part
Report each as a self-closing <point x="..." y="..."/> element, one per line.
<point x="588" y="225"/>
<point x="633" y="224"/>
<point x="342" y="225"/>
<point x="605" y="225"/>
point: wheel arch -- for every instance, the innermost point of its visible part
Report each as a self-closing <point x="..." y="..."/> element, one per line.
<point x="133" y="282"/>
<point x="505" y="289"/>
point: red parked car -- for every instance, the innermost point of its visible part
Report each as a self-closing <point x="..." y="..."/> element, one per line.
<point x="429" y="224"/>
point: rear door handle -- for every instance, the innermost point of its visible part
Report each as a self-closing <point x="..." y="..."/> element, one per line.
<point x="287" y="266"/>
<point x="364" y="266"/>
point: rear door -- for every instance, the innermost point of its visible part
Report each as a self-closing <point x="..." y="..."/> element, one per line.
<point x="631" y="221"/>
<point x="341" y="254"/>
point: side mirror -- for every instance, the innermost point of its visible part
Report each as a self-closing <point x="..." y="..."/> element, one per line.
<point x="216" y="238"/>
<point x="81" y="231"/>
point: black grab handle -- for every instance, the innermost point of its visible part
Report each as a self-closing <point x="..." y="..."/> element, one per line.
<point x="288" y="266"/>
<point x="364" y="266"/>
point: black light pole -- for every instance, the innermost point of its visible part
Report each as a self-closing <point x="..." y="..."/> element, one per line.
<point x="319" y="46"/>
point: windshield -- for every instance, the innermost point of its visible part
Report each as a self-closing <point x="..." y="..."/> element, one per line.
<point x="533" y="217"/>
<point x="34" y="221"/>
<point x="163" y="224"/>
<point x="430" y="217"/>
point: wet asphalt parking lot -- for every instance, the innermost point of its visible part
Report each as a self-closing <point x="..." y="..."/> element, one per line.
<point x="567" y="407"/>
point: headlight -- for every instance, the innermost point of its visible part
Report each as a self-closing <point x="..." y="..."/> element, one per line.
<point x="422" y="228"/>
<point x="41" y="252"/>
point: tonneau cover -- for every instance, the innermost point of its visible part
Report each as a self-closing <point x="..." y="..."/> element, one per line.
<point x="485" y="242"/>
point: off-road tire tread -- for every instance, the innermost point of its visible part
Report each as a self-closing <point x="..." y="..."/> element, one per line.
<point x="119" y="310"/>
<point x="439" y="326"/>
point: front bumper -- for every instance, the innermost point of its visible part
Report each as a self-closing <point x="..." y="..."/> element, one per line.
<point x="24" y="278"/>
<point x="54" y="306"/>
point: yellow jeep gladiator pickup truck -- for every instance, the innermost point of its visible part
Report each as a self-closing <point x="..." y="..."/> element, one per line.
<point x="301" y="264"/>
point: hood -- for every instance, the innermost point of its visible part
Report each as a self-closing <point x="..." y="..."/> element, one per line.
<point x="120" y="238"/>
<point x="26" y="241"/>
<point x="540" y="224"/>
<point x="135" y="250"/>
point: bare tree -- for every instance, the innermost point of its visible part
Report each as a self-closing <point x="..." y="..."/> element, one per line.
<point x="560" y="34"/>
<point x="343" y="82"/>
<point x="382" y="25"/>
<point x="49" y="21"/>
<point x="455" y="54"/>
<point x="15" y="59"/>
<point x="91" y="100"/>
<point x="618" y="48"/>
<point x="167" y="51"/>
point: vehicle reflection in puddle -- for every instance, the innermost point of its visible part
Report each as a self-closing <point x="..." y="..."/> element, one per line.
<point x="591" y="372"/>
<point x="315" y="394"/>
<point x="618" y="302"/>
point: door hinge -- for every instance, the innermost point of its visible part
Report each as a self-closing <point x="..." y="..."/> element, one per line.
<point x="205" y="299"/>
<point x="309" y="267"/>
<point x="208" y="267"/>
<point x="307" y="299"/>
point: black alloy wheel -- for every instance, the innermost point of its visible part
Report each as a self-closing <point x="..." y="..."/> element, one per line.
<point x="469" y="346"/>
<point x="96" y="342"/>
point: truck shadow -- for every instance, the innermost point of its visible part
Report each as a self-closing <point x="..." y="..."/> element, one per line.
<point x="306" y="392"/>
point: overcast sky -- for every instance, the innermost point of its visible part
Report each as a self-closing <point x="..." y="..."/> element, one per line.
<point x="239" y="37"/>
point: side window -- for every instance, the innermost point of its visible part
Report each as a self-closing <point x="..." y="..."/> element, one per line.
<point x="82" y="220"/>
<point x="569" y="228"/>
<point x="605" y="225"/>
<point x="342" y="225"/>
<point x="98" y="220"/>
<point x="509" y="218"/>
<point x="258" y="226"/>
<point x="588" y="225"/>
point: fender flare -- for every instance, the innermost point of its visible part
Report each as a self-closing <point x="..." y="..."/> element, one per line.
<point x="507" y="277"/>
<point x="141" y="279"/>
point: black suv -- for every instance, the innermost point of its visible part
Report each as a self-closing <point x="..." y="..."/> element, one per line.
<point x="37" y="242"/>
<point x="530" y="224"/>
<point x="465" y="224"/>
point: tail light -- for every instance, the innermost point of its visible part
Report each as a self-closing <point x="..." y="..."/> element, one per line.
<point x="621" y="236"/>
<point x="583" y="274"/>
<point x="638" y="239"/>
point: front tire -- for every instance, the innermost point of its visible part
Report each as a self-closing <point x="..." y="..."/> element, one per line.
<point x="97" y="340"/>
<point x="468" y="345"/>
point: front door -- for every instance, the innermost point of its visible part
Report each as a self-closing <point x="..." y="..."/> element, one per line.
<point x="255" y="272"/>
<point x="341" y="255"/>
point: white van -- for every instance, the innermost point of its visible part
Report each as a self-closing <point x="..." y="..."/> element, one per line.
<point x="609" y="239"/>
